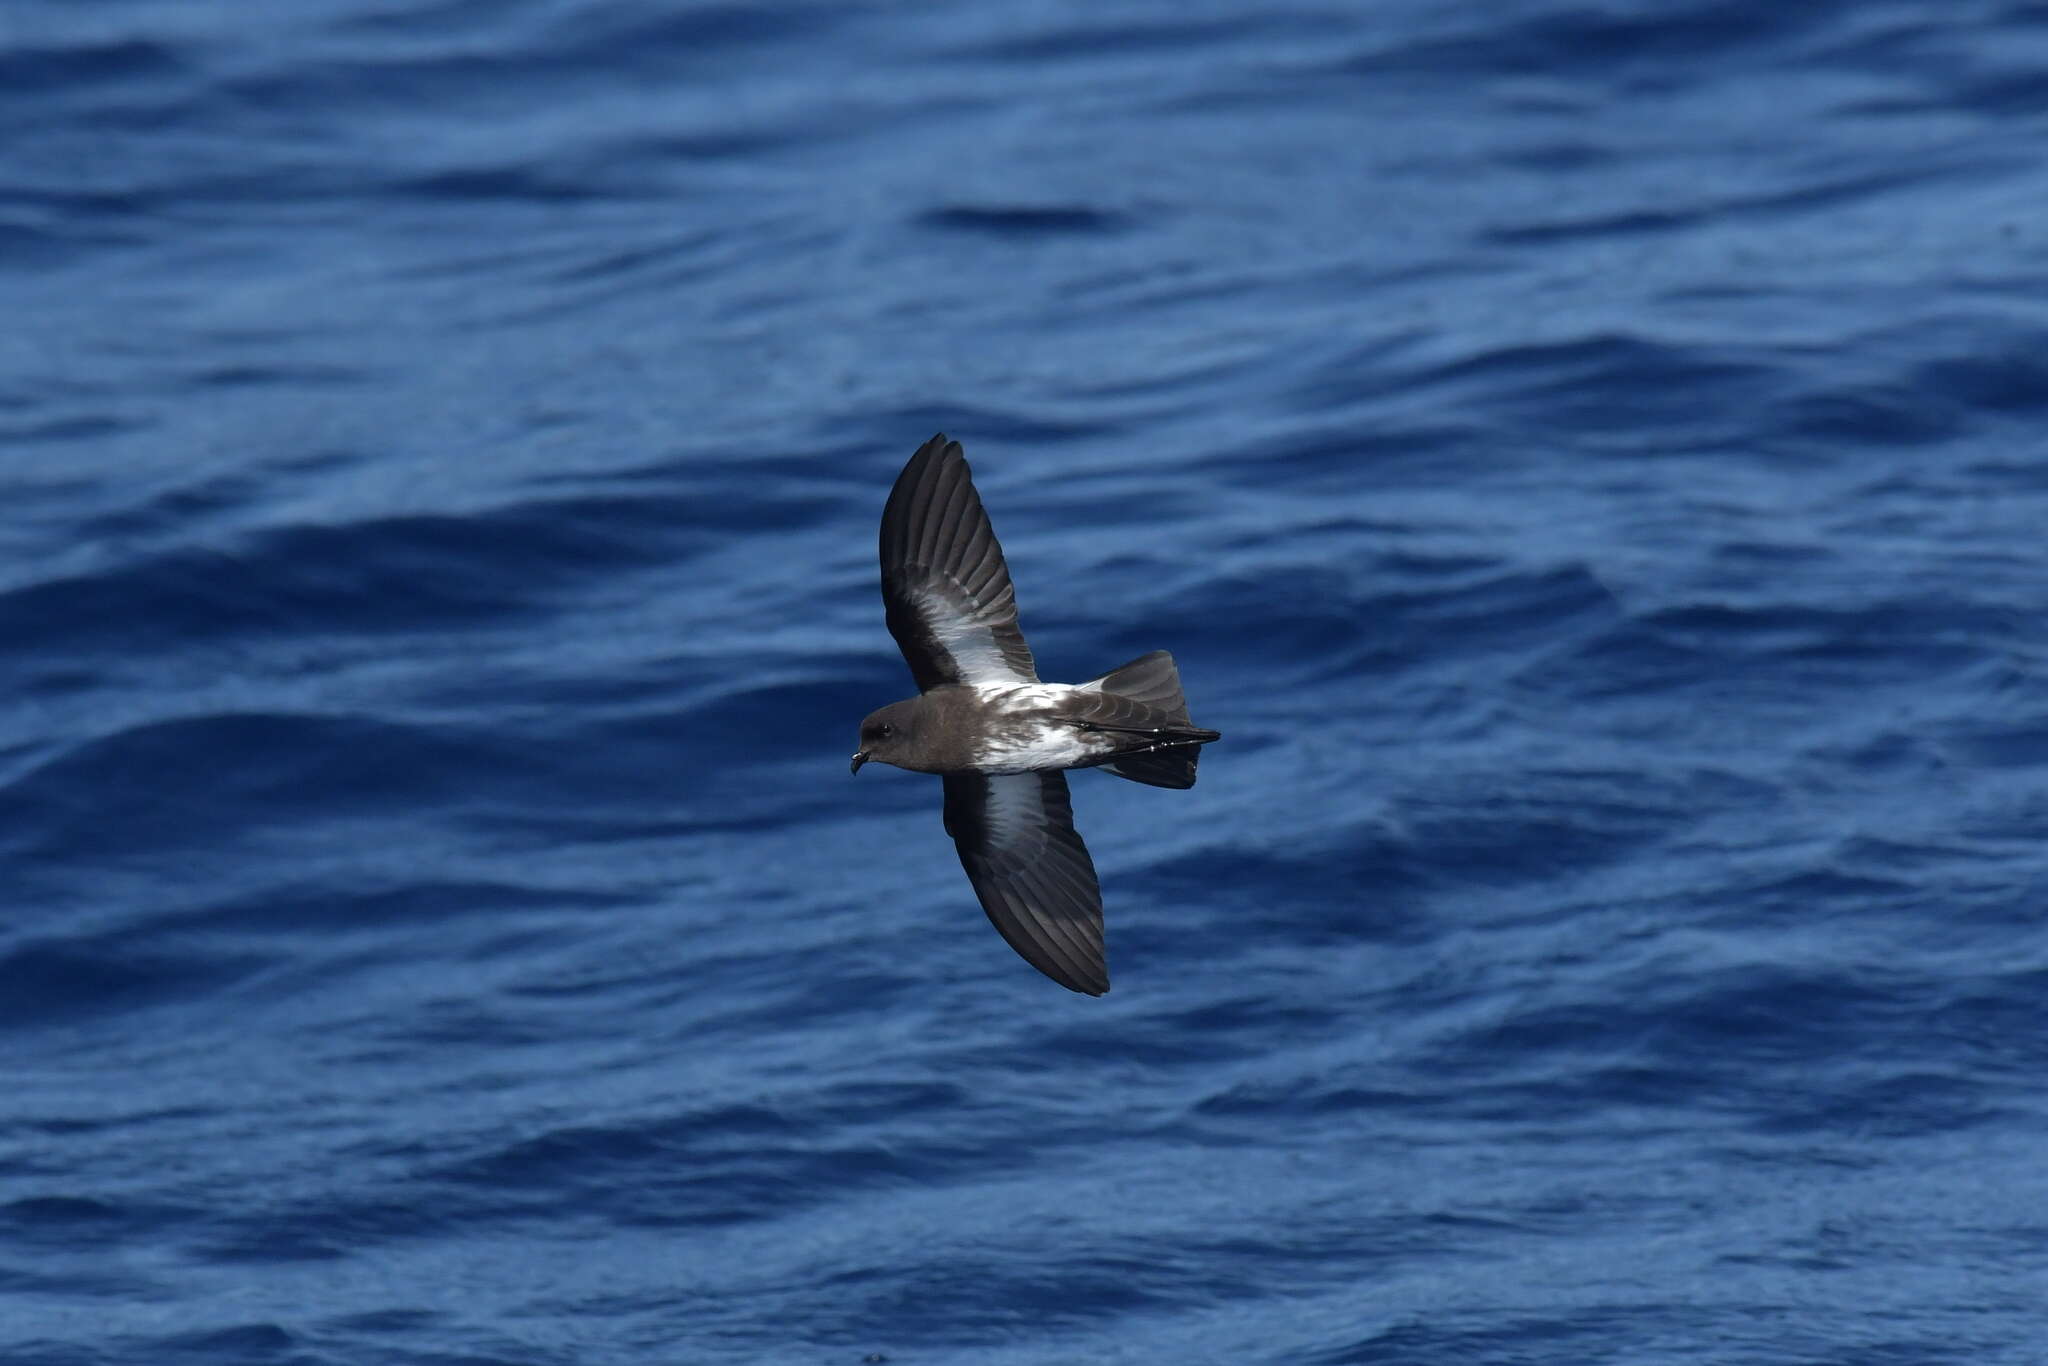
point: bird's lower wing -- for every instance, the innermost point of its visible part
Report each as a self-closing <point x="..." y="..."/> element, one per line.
<point x="1017" y="841"/>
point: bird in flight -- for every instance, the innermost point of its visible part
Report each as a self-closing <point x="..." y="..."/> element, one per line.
<point x="1001" y="739"/>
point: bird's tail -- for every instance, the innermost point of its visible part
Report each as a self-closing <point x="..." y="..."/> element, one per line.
<point x="1154" y="681"/>
<point x="1150" y="679"/>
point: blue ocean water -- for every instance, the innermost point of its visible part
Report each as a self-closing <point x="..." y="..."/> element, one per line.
<point x="1589" y="460"/>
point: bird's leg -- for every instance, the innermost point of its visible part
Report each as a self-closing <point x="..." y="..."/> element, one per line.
<point x="1094" y="728"/>
<point x="1158" y="745"/>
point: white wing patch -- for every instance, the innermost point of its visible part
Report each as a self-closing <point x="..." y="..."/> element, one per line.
<point x="1015" y="814"/>
<point x="971" y="644"/>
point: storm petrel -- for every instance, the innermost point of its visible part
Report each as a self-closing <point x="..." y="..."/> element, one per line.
<point x="999" y="737"/>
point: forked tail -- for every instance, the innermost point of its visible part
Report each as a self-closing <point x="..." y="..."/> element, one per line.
<point x="1153" y="681"/>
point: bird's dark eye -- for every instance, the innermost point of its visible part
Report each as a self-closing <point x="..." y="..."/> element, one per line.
<point x="886" y="730"/>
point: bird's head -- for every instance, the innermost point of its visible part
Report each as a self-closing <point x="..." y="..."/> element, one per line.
<point x="886" y="734"/>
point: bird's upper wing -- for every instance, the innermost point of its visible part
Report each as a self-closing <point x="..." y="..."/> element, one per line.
<point x="947" y="590"/>
<point x="1031" y="871"/>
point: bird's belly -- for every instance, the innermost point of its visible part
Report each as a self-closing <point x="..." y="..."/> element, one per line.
<point x="1060" y="746"/>
<point x="1028" y="738"/>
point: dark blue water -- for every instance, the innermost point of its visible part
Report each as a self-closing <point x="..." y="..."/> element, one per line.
<point x="1590" y="460"/>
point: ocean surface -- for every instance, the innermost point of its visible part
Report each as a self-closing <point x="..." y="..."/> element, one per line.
<point x="1590" y="460"/>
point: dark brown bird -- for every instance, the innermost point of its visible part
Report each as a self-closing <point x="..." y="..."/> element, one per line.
<point x="1000" y="738"/>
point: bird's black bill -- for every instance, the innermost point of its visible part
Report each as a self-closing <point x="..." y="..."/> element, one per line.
<point x="858" y="760"/>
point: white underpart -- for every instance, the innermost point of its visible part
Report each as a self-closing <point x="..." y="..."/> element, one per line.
<point x="971" y="644"/>
<point x="1054" y="746"/>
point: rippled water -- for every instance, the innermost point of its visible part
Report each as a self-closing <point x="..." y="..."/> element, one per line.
<point x="1588" y="460"/>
